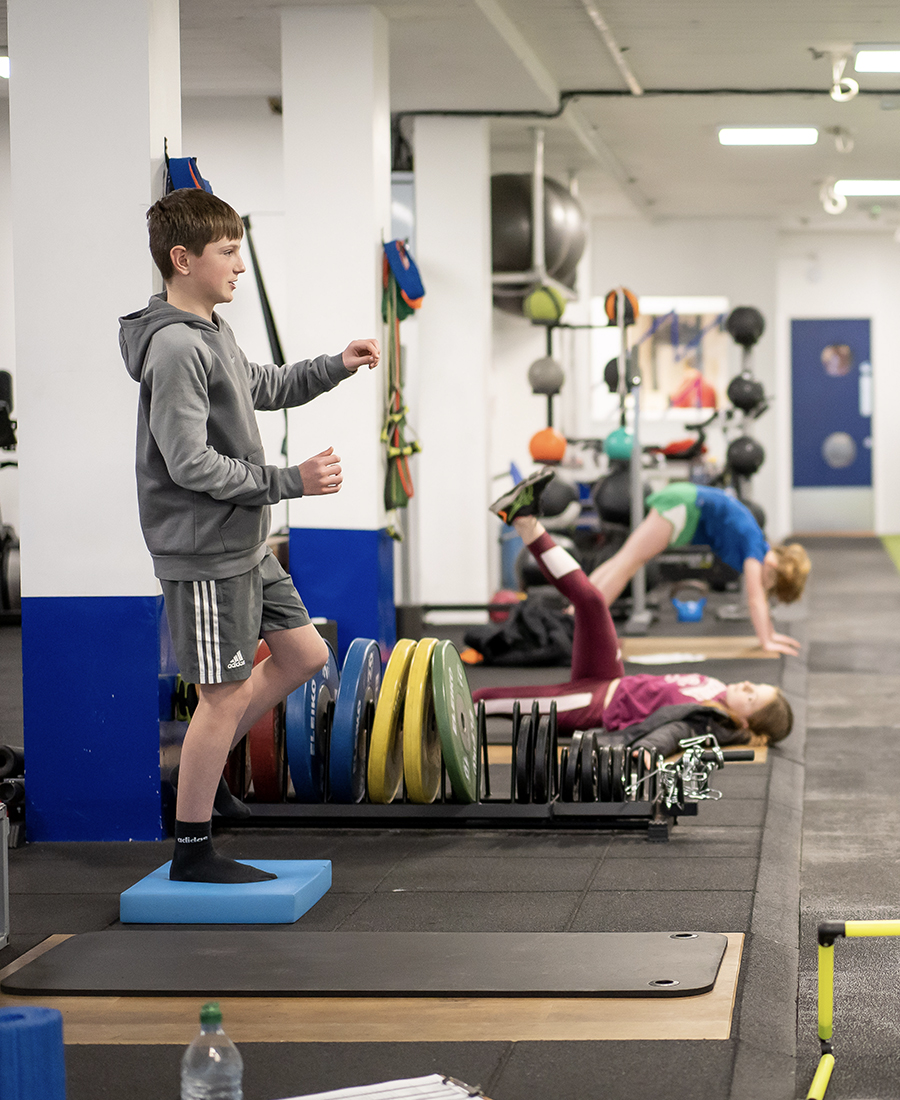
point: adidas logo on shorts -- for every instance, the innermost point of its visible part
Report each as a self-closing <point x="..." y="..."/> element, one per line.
<point x="237" y="661"/>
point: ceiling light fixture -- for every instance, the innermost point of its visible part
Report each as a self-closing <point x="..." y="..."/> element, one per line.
<point x="877" y="59"/>
<point x="832" y="203"/>
<point x="768" y="135"/>
<point x="867" y="187"/>
<point x="842" y="87"/>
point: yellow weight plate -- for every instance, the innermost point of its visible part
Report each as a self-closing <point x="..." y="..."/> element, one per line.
<point x="421" y="741"/>
<point x="386" y="745"/>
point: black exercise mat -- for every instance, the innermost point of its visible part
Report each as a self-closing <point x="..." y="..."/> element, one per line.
<point x="432" y="964"/>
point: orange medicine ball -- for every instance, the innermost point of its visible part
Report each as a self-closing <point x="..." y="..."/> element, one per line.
<point x="547" y="445"/>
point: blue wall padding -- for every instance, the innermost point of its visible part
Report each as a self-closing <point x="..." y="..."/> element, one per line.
<point x="32" y="1060"/>
<point x="283" y="900"/>
<point x="91" y="703"/>
<point x="347" y="576"/>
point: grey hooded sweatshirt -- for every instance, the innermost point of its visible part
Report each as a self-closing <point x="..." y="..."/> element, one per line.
<point x="204" y="488"/>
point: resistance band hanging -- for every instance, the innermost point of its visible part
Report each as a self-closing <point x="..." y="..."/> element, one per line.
<point x="268" y="318"/>
<point x="403" y="293"/>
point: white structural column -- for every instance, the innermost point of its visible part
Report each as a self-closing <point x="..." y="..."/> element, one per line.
<point x="337" y="147"/>
<point x="94" y="89"/>
<point x="453" y="237"/>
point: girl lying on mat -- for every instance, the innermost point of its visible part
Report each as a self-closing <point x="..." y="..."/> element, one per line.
<point x="598" y="693"/>
<point x="684" y="514"/>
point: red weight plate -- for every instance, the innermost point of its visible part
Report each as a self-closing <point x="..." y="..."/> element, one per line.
<point x="267" y="752"/>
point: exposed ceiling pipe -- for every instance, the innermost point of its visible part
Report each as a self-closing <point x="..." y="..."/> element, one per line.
<point x="615" y="51"/>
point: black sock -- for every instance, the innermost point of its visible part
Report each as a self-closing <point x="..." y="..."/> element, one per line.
<point x="195" y="860"/>
<point x="225" y="804"/>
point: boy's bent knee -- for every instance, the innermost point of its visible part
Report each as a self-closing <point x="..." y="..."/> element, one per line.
<point x="299" y="653"/>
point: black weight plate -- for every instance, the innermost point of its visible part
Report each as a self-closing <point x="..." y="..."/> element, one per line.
<point x="540" y="786"/>
<point x="570" y="791"/>
<point x="524" y="760"/>
<point x="605" y="783"/>
<point x="617" y="765"/>
<point x="589" y="768"/>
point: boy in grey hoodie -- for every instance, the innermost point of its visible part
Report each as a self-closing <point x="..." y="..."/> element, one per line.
<point x="204" y="492"/>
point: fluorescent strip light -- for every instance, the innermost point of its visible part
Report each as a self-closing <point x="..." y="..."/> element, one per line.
<point x="4" y="68"/>
<point x="657" y="306"/>
<point x="874" y="59"/>
<point x="867" y="187"/>
<point x="768" y="135"/>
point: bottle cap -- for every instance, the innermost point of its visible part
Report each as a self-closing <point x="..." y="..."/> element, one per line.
<point x="211" y="1013"/>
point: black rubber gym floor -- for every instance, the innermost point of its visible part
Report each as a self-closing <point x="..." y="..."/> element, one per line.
<point x="733" y="868"/>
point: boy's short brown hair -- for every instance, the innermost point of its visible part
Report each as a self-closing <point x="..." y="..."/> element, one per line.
<point x="192" y="218"/>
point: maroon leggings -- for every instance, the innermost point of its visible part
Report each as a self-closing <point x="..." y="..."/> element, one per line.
<point x="596" y="657"/>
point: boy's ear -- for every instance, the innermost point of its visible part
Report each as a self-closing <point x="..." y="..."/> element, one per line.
<point x="179" y="257"/>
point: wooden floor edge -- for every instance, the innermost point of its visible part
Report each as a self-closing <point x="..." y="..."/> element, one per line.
<point x="132" y="1021"/>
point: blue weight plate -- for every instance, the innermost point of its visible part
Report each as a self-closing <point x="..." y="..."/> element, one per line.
<point x="353" y="710"/>
<point x="306" y="730"/>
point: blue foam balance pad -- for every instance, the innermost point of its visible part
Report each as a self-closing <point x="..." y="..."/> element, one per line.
<point x="283" y="900"/>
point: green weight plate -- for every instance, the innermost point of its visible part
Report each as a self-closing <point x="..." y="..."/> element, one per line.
<point x="456" y="722"/>
<point x="617" y="766"/>
<point x="540" y="785"/>
<point x="589" y="768"/>
<point x="524" y="759"/>
<point x="421" y="741"/>
<point x="385" y="768"/>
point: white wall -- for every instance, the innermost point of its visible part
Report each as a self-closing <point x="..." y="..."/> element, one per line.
<point x="844" y="274"/>
<point x="238" y="149"/>
<point x="733" y="258"/>
<point x="9" y="478"/>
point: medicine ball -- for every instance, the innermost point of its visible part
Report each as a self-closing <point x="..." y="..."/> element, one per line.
<point x="744" y="392"/>
<point x="547" y="445"/>
<point x="546" y="376"/>
<point x="617" y="445"/>
<point x="556" y="496"/>
<point x="745" y="324"/>
<point x="745" y="456"/>
<point x="612" y="497"/>
<point x="611" y="305"/>
<point x="611" y="375"/>
<point x="545" y="305"/>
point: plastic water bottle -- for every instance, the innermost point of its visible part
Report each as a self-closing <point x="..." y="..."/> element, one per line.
<point x="212" y="1067"/>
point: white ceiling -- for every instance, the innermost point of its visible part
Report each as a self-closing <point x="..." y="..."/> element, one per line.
<point x="655" y="155"/>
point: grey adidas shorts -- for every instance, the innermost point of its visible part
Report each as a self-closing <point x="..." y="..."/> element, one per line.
<point x="216" y="625"/>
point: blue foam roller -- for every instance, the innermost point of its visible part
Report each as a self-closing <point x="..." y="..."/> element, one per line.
<point x="283" y="900"/>
<point x="32" y="1060"/>
<point x="306" y="730"/>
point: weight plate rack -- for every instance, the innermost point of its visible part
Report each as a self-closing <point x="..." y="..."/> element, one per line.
<point x="413" y="750"/>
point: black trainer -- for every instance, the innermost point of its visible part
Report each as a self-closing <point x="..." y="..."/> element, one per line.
<point x="523" y="499"/>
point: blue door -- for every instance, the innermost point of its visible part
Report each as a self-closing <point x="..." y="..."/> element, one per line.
<point x="831" y="386"/>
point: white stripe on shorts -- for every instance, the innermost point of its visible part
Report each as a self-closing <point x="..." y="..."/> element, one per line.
<point x="559" y="562"/>
<point x="563" y="703"/>
<point x="206" y="628"/>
